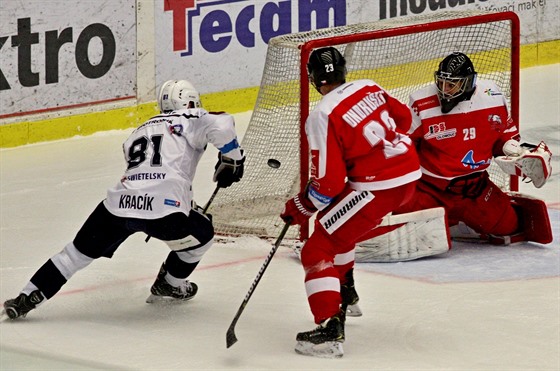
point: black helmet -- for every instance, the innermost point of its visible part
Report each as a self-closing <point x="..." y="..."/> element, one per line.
<point x="326" y="66"/>
<point x="455" y="80"/>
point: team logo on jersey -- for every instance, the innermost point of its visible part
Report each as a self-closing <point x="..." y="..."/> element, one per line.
<point x="468" y="161"/>
<point x="169" y="202"/>
<point x="496" y="123"/>
<point x="491" y="92"/>
<point x="176" y="129"/>
<point x="439" y="131"/>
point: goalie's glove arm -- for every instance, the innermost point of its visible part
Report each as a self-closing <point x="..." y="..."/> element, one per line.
<point x="527" y="161"/>
<point x="514" y="148"/>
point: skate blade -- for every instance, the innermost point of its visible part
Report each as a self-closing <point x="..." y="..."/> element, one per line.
<point x="329" y="349"/>
<point x="353" y="311"/>
<point x="4" y="316"/>
<point x="165" y="299"/>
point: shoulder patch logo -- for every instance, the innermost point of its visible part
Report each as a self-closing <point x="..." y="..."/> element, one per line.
<point x="496" y="123"/>
<point x="491" y="92"/>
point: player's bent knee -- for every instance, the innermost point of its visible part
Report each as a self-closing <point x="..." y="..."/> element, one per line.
<point x="187" y="242"/>
<point x="70" y="260"/>
<point x="194" y="254"/>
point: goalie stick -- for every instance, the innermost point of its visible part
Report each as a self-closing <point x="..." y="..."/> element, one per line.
<point x="230" y="335"/>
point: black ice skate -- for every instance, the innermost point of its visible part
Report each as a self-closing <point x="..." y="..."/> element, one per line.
<point x="325" y="341"/>
<point x="20" y="306"/>
<point x="350" y="297"/>
<point x="162" y="291"/>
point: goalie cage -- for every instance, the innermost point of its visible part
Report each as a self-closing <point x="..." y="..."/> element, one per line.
<point x="399" y="54"/>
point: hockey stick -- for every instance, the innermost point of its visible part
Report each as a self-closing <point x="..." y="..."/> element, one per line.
<point x="230" y="335"/>
<point x="210" y="200"/>
<point x="273" y="163"/>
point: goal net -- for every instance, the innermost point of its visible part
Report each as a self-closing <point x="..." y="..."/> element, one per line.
<point x="401" y="55"/>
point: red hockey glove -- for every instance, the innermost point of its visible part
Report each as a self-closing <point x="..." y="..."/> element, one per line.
<point x="298" y="209"/>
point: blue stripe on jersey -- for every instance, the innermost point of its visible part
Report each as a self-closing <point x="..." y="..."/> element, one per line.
<point x="230" y="146"/>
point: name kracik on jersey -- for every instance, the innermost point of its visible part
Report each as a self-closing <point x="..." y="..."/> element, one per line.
<point x="136" y="202"/>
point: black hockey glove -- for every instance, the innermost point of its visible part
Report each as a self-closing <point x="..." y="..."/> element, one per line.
<point x="228" y="170"/>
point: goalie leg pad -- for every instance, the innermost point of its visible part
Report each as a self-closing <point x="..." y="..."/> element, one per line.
<point x="535" y="223"/>
<point x="420" y="234"/>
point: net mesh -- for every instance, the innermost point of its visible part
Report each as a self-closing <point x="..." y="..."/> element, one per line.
<point x="400" y="64"/>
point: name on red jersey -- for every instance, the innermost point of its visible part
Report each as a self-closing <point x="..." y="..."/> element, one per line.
<point x="365" y="107"/>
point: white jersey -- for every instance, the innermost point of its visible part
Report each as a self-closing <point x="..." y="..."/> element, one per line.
<point x="162" y="156"/>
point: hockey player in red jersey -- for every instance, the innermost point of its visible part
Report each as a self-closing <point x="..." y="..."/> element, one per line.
<point x="154" y="196"/>
<point x="362" y="167"/>
<point x="459" y="125"/>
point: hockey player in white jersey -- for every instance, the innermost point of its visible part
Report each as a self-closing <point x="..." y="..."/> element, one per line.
<point x="154" y="196"/>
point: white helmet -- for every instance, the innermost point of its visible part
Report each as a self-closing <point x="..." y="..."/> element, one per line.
<point x="177" y="94"/>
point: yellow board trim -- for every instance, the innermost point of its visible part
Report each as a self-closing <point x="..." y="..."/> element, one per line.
<point x="233" y="101"/>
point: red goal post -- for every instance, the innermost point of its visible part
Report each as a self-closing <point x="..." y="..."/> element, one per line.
<point x="399" y="54"/>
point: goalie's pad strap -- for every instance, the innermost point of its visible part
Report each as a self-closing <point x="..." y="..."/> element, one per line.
<point x="417" y="234"/>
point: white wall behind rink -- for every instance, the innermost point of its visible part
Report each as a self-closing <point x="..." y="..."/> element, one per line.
<point x="56" y="66"/>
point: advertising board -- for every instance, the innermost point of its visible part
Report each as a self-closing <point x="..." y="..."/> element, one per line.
<point x="221" y="44"/>
<point x="60" y="54"/>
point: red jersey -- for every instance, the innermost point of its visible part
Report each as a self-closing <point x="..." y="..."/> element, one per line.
<point x="464" y="140"/>
<point x="356" y="135"/>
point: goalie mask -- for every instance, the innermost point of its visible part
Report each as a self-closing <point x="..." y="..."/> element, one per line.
<point x="326" y="66"/>
<point x="455" y="80"/>
<point x="178" y="94"/>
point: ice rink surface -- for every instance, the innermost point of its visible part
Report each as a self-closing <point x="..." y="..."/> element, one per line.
<point x="478" y="307"/>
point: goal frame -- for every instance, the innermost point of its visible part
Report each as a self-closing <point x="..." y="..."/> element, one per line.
<point x="307" y="47"/>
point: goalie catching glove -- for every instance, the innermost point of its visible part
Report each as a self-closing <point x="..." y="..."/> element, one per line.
<point x="228" y="170"/>
<point x="527" y="161"/>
